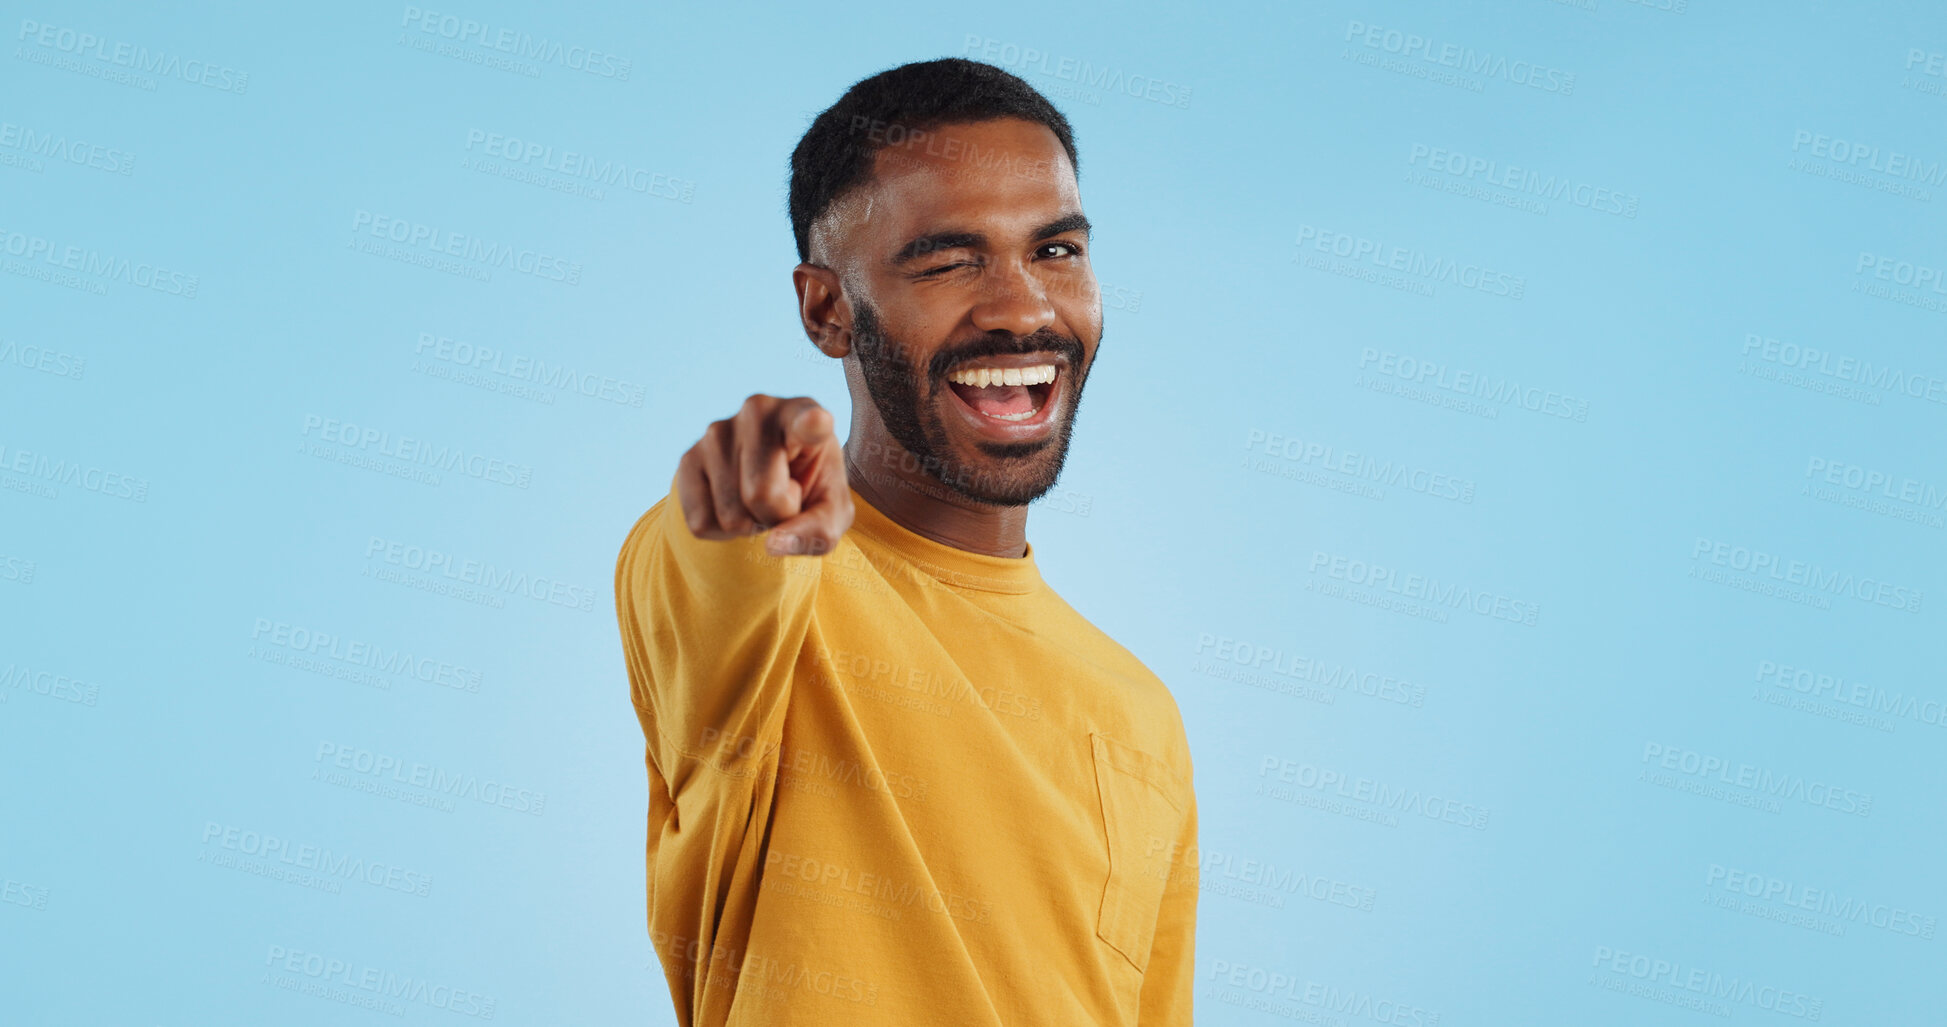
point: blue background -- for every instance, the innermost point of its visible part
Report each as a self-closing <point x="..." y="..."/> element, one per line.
<point x="178" y="521"/>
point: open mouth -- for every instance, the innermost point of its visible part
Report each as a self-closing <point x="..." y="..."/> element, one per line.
<point x="1007" y="395"/>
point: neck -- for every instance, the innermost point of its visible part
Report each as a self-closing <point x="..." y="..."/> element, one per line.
<point x="922" y="505"/>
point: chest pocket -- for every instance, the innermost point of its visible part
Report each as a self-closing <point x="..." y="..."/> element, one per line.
<point x="1142" y="814"/>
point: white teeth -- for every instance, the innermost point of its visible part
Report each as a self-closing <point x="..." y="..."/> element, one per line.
<point x="981" y="377"/>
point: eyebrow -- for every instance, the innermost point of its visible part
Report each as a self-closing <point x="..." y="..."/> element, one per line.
<point x="955" y="239"/>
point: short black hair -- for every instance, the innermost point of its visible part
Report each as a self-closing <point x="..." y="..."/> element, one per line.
<point x="898" y="106"/>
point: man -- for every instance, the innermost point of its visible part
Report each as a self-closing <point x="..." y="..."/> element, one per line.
<point x="893" y="777"/>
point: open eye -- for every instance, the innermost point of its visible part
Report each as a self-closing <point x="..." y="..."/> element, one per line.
<point x="1073" y="250"/>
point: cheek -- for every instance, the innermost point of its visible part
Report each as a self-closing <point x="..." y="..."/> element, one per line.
<point x="1088" y="364"/>
<point x="916" y="343"/>
<point x="927" y="326"/>
<point x="1079" y="305"/>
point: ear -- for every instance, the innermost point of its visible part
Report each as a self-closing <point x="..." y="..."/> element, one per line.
<point x="822" y="307"/>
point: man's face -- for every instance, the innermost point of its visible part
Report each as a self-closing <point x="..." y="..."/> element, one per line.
<point x="966" y="258"/>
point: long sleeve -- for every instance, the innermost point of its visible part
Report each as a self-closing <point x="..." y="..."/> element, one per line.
<point x="711" y="631"/>
<point x="1171" y="974"/>
<point x="838" y="748"/>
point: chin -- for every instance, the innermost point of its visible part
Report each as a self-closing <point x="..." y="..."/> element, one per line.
<point x="1004" y="474"/>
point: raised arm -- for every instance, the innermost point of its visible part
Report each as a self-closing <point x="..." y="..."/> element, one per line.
<point x="713" y="615"/>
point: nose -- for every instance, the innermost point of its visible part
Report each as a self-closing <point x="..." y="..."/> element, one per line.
<point x="1013" y="300"/>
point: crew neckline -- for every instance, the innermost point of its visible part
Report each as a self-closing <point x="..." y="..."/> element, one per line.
<point x="949" y="565"/>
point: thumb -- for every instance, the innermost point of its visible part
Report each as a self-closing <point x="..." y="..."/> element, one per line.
<point x="808" y="428"/>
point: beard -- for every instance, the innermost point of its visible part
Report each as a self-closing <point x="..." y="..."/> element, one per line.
<point x="908" y="396"/>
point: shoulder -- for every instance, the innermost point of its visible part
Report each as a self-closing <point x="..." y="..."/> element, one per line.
<point x="637" y="542"/>
<point x="645" y="526"/>
<point x="642" y="526"/>
<point x="1149" y="715"/>
<point x="728" y="580"/>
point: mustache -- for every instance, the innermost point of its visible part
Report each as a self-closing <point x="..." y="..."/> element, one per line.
<point x="1006" y="344"/>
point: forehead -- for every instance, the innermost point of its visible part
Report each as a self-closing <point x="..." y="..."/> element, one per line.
<point x="998" y="176"/>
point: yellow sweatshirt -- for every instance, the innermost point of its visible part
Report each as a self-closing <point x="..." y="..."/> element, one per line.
<point x="903" y="784"/>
